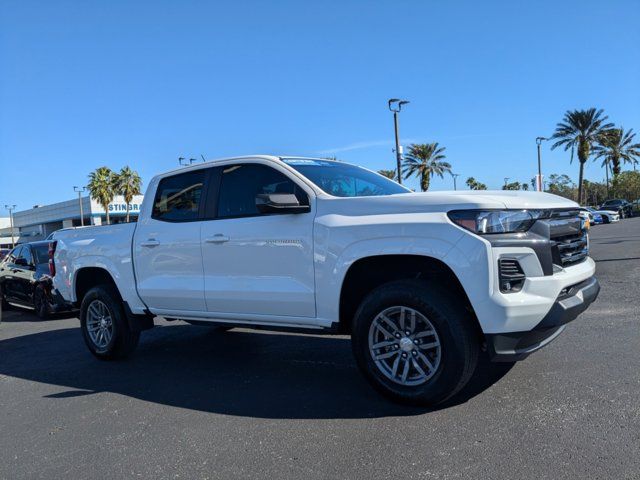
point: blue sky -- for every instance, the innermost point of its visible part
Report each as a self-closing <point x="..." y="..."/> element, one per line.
<point x="91" y="83"/>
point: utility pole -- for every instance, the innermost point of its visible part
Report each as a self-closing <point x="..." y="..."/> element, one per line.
<point x="455" y="176"/>
<point x="395" y="105"/>
<point x="80" y="191"/>
<point x="506" y="179"/>
<point x="11" y="208"/>
<point x="539" y="185"/>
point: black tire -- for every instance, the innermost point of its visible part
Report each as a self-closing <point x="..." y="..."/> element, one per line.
<point x="458" y="337"/>
<point x="605" y="219"/>
<point x="3" y="301"/>
<point x="123" y="341"/>
<point x="41" y="303"/>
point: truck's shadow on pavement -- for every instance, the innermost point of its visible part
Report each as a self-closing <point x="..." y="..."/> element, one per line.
<point x="267" y="375"/>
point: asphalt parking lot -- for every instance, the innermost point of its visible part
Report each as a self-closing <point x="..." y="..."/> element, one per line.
<point x="196" y="403"/>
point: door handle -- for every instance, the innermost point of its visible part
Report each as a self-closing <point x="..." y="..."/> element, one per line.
<point x="218" y="238"/>
<point x="150" y="243"/>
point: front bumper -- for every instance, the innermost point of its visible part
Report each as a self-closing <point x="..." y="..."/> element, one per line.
<point x="572" y="301"/>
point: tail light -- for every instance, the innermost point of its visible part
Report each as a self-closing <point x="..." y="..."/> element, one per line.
<point x="52" y="251"/>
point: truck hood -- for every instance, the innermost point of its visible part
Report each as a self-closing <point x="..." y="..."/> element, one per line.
<point x="443" y="202"/>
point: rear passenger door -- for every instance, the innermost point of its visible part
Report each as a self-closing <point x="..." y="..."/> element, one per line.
<point x="24" y="276"/>
<point x="167" y="251"/>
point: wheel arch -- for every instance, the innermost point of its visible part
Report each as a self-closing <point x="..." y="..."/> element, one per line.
<point x="370" y="272"/>
<point x="86" y="278"/>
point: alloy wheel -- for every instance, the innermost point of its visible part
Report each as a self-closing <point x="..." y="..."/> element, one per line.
<point x="404" y="345"/>
<point x="99" y="324"/>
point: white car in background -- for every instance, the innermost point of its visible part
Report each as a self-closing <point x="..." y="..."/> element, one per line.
<point x="608" y="216"/>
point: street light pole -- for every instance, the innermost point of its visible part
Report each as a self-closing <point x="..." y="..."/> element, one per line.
<point x="539" y="185"/>
<point x="506" y="179"/>
<point x="455" y="176"/>
<point x="11" y="208"/>
<point x="80" y="192"/>
<point x="395" y="105"/>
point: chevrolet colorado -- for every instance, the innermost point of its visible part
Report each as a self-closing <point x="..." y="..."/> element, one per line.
<point x="421" y="281"/>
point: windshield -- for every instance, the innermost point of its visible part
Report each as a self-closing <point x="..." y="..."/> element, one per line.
<point x="344" y="180"/>
<point x="612" y="202"/>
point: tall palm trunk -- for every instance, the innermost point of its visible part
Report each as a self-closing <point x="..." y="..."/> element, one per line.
<point x="583" y="155"/>
<point x="106" y="209"/>
<point x="425" y="180"/>
<point x="127" y="212"/>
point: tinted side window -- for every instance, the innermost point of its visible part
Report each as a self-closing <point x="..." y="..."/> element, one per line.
<point x="178" y="197"/>
<point x="15" y="253"/>
<point x="241" y="183"/>
<point x="41" y="254"/>
<point x="26" y="254"/>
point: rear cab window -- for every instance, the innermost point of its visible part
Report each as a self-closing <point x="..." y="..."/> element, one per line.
<point x="179" y="198"/>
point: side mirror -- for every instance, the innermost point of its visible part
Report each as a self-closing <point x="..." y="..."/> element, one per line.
<point x="279" y="203"/>
<point x="21" y="262"/>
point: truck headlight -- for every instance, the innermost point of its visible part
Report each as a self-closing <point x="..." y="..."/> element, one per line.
<point x="496" y="221"/>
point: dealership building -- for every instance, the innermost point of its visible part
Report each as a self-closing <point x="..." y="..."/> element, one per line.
<point x="41" y="220"/>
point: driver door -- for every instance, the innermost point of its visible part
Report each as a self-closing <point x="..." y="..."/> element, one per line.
<point x="257" y="263"/>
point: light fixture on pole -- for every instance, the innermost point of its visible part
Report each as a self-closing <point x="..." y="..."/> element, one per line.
<point x="80" y="191"/>
<point x="455" y="177"/>
<point x="11" y="208"/>
<point x="539" y="185"/>
<point x="506" y="179"/>
<point x="395" y="105"/>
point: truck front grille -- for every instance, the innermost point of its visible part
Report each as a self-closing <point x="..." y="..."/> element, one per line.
<point x="569" y="243"/>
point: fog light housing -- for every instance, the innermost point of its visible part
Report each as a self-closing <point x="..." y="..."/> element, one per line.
<point x="510" y="275"/>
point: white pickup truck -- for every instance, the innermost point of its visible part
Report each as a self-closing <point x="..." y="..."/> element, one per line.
<point x="421" y="281"/>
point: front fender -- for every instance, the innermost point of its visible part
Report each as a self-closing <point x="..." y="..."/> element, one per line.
<point x="336" y="252"/>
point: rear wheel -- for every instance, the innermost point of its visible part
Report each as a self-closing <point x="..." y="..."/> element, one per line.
<point x="41" y="303"/>
<point x="104" y="324"/>
<point x="414" y="342"/>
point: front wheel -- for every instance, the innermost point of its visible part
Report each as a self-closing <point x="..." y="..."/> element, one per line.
<point x="104" y="324"/>
<point x="4" y="305"/>
<point x="414" y="342"/>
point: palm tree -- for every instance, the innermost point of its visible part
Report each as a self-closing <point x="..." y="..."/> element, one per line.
<point x="473" y="184"/>
<point x="128" y="184"/>
<point x="616" y="147"/>
<point x="102" y="187"/>
<point x="581" y="129"/>
<point x="388" y="173"/>
<point x="424" y="161"/>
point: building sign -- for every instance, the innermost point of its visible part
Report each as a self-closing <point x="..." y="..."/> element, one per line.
<point x="122" y="208"/>
<point x="118" y="206"/>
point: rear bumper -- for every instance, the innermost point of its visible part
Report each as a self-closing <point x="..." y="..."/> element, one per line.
<point x="513" y="346"/>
